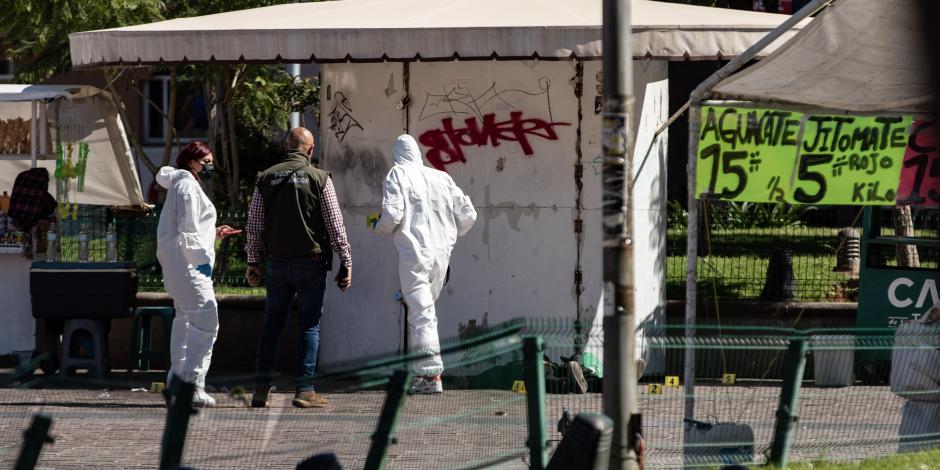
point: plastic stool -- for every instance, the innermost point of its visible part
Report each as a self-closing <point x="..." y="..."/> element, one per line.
<point x="141" y="337"/>
<point x="96" y="360"/>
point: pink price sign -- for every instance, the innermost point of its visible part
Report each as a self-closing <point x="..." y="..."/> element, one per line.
<point x="920" y="172"/>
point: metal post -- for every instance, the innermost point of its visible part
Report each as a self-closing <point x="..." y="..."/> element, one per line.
<point x="32" y="134"/>
<point x="33" y="439"/>
<point x="294" y="71"/>
<point x="620" y="384"/>
<point x="795" y="362"/>
<point x="177" y="422"/>
<point x="534" y="375"/>
<point x="691" y="247"/>
<point x="394" y="400"/>
<point x="42" y="130"/>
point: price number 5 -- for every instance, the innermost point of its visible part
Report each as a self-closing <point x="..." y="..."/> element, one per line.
<point x="805" y="173"/>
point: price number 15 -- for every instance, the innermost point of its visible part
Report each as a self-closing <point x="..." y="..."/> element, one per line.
<point x="728" y="164"/>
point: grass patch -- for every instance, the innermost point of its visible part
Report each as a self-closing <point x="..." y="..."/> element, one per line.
<point x="919" y="461"/>
<point x="737" y="266"/>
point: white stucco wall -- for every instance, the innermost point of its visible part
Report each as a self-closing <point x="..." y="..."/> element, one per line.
<point x="520" y="257"/>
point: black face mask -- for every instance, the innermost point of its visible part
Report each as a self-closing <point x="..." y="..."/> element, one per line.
<point x="207" y="171"/>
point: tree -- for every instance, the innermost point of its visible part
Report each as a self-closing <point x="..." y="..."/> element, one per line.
<point x="252" y="101"/>
<point x="37" y="31"/>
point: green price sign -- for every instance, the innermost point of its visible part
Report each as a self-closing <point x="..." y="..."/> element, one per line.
<point x="746" y="154"/>
<point x="850" y="160"/>
<point x="763" y="155"/>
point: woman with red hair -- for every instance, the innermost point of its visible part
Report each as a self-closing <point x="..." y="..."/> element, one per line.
<point x="186" y="250"/>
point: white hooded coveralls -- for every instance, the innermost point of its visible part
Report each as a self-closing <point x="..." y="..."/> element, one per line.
<point x="427" y="212"/>
<point x="185" y="240"/>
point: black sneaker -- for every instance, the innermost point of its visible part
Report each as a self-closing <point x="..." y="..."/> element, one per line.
<point x="259" y="399"/>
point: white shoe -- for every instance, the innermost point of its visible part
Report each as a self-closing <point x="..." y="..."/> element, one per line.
<point x="423" y="386"/>
<point x="201" y="399"/>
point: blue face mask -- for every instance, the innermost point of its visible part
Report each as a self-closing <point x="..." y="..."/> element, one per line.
<point x="207" y="171"/>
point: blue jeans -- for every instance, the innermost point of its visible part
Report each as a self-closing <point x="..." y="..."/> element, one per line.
<point x="285" y="277"/>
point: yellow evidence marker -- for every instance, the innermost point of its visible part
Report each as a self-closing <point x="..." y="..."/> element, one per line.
<point x="728" y="379"/>
<point x="518" y="386"/>
<point x="156" y="387"/>
<point x="373" y="219"/>
<point x="672" y="381"/>
<point x="655" y="389"/>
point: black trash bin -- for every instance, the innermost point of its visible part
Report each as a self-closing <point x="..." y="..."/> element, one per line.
<point x="83" y="290"/>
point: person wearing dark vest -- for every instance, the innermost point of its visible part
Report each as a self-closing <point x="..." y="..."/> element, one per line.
<point x="296" y="221"/>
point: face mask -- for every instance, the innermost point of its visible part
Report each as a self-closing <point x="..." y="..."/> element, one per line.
<point x="207" y="171"/>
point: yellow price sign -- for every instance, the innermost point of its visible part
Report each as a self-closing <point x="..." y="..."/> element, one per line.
<point x="518" y="386"/>
<point x="728" y="379"/>
<point x="655" y="389"/>
<point x="672" y="381"/>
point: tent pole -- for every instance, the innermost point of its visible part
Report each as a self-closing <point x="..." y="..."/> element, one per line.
<point x="699" y="95"/>
<point x="32" y="133"/>
<point x="42" y="129"/>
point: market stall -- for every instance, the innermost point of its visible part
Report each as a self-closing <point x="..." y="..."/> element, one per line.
<point x="74" y="133"/>
<point x="842" y="114"/>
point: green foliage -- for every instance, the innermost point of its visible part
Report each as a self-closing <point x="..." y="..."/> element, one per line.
<point x="676" y="215"/>
<point x="267" y="94"/>
<point x="188" y="8"/>
<point x="741" y="215"/>
<point x="37" y="31"/>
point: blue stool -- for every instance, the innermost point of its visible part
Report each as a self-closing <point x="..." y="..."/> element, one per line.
<point x="85" y="346"/>
<point x="141" y="337"/>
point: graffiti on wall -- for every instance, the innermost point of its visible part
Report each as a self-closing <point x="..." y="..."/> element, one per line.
<point x="341" y="117"/>
<point x="445" y="144"/>
<point x="467" y="120"/>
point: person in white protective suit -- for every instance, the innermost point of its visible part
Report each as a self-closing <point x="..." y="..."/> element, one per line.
<point x="426" y="212"/>
<point x="915" y="376"/>
<point x="186" y="250"/>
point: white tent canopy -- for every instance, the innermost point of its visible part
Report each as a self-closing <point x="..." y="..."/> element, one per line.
<point x="429" y="29"/>
<point x="74" y="114"/>
<point x="860" y="56"/>
<point x="18" y="92"/>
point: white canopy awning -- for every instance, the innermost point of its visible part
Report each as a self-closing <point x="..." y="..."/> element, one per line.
<point x="862" y="56"/>
<point x="18" y="92"/>
<point x="85" y="114"/>
<point x="372" y="30"/>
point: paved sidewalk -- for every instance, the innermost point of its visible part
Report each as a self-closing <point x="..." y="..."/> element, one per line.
<point x="123" y="429"/>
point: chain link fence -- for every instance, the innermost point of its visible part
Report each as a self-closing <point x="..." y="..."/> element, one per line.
<point x="742" y="245"/>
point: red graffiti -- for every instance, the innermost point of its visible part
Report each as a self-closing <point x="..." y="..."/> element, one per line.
<point x="446" y="143"/>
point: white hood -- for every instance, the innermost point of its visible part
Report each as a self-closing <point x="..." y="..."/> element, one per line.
<point x="406" y="151"/>
<point x="169" y="175"/>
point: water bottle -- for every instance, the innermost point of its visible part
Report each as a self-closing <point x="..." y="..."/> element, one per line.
<point x="51" y="252"/>
<point x="111" y="240"/>
<point x="82" y="245"/>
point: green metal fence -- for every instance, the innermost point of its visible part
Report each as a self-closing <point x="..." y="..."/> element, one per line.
<point x="760" y="395"/>
<point x="738" y="240"/>
<point x="137" y="242"/>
